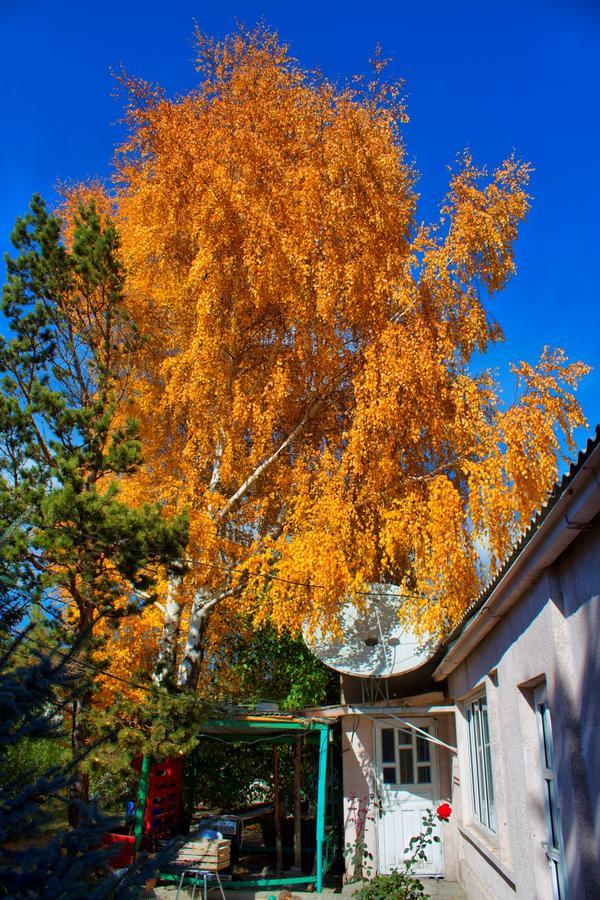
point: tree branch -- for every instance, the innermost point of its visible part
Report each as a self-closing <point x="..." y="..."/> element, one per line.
<point x="215" y="478"/>
<point x="245" y="487"/>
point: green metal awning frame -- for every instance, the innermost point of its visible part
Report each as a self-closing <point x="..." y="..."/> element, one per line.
<point x="280" y="730"/>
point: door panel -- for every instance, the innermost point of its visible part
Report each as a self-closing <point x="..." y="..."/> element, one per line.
<point x="407" y="776"/>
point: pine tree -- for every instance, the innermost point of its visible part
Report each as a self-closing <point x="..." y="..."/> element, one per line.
<point x="72" y="863"/>
<point x="72" y="546"/>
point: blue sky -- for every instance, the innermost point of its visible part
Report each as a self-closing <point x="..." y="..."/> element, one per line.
<point x="493" y="76"/>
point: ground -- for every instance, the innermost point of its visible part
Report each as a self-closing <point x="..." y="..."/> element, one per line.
<point x="436" y="888"/>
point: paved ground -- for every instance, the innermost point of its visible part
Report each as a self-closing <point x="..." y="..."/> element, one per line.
<point x="438" y="889"/>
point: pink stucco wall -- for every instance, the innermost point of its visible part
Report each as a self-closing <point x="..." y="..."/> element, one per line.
<point x="359" y="788"/>
<point x="552" y="633"/>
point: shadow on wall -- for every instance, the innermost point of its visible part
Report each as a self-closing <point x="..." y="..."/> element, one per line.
<point x="360" y="804"/>
<point x="572" y="665"/>
<point x="574" y="700"/>
<point x="575" y="710"/>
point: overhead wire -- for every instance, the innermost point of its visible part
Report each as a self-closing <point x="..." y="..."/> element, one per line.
<point x="309" y="586"/>
<point x="305" y="584"/>
<point x="228" y="569"/>
<point x="97" y="669"/>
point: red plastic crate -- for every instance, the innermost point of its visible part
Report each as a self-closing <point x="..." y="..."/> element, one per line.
<point x="163" y="803"/>
<point x="124" y="855"/>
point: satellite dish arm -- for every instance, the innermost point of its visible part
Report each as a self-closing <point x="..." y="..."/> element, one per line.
<point x="382" y="638"/>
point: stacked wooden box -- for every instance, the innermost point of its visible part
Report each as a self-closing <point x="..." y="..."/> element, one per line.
<point x="212" y="855"/>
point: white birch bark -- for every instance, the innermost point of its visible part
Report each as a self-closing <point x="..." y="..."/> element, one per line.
<point x="215" y="478"/>
<point x="189" y="668"/>
<point x="193" y="653"/>
<point x="236" y="498"/>
<point x="164" y="668"/>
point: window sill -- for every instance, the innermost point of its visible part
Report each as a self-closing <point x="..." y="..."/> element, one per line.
<point x="489" y="853"/>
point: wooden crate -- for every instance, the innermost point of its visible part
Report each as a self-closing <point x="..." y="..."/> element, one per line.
<point x="212" y="855"/>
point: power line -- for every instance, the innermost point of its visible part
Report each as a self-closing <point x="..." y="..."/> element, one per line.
<point x="305" y="584"/>
<point x="147" y="688"/>
<point x="21" y="606"/>
<point x="105" y="672"/>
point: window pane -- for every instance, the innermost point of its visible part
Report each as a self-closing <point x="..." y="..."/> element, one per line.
<point x="545" y="719"/>
<point x="482" y="784"/>
<point x="387" y="745"/>
<point x="424" y="775"/>
<point x="407" y="775"/>
<point x="483" y="806"/>
<point x="423" y="749"/>
<point x="481" y="771"/>
<point x="484" y="722"/>
<point x="553" y="823"/>
<point x="472" y="756"/>
<point x="557" y="880"/>
<point x="404" y="737"/>
<point x="389" y="774"/>
<point x="489" y="787"/>
<point x="551" y="808"/>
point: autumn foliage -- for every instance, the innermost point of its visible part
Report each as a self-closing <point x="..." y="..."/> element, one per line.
<point x="305" y="386"/>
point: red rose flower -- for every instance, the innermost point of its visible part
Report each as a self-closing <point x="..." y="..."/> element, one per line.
<point x="444" y="811"/>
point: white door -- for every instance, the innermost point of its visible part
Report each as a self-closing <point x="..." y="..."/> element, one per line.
<point x="407" y="776"/>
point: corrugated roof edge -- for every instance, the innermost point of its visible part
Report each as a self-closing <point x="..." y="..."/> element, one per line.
<point x="534" y="525"/>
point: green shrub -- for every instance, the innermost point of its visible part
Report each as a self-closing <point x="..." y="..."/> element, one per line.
<point x="30" y="758"/>
<point x="111" y="788"/>
<point x="397" y="886"/>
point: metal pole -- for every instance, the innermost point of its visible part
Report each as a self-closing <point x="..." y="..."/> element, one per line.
<point x="297" y="805"/>
<point x="323" y="738"/>
<point x="138" y="829"/>
<point x="424" y="734"/>
<point x="277" y="811"/>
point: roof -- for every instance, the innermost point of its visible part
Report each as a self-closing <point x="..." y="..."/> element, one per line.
<point x="243" y="727"/>
<point x="561" y="495"/>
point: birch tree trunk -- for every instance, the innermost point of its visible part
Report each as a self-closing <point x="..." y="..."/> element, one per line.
<point x="193" y="653"/>
<point x="164" y="668"/>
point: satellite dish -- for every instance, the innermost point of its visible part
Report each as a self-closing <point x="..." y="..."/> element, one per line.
<point x="374" y="642"/>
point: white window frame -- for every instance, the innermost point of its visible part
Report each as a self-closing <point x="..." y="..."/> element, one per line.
<point x="483" y="801"/>
<point x="553" y="845"/>
<point x="406" y="738"/>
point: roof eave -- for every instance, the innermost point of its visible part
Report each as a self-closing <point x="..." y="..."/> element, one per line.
<point x="571" y="513"/>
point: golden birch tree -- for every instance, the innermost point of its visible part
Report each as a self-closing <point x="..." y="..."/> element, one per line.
<point x="306" y="387"/>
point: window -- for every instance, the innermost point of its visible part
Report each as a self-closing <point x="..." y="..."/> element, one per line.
<point x="554" y="843"/>
<point x="405" y="757"/>
<point x="482" y="784"/>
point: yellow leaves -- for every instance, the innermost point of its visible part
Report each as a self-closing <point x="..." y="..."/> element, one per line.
<point x="130" y="649"/>
<point x="484" y="219"/>
<point x="276" y="268"/>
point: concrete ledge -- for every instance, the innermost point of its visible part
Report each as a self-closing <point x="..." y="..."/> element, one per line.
<point x="475" y="841"/>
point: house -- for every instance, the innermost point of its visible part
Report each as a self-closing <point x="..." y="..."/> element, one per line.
<point x="503" y="721"/>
